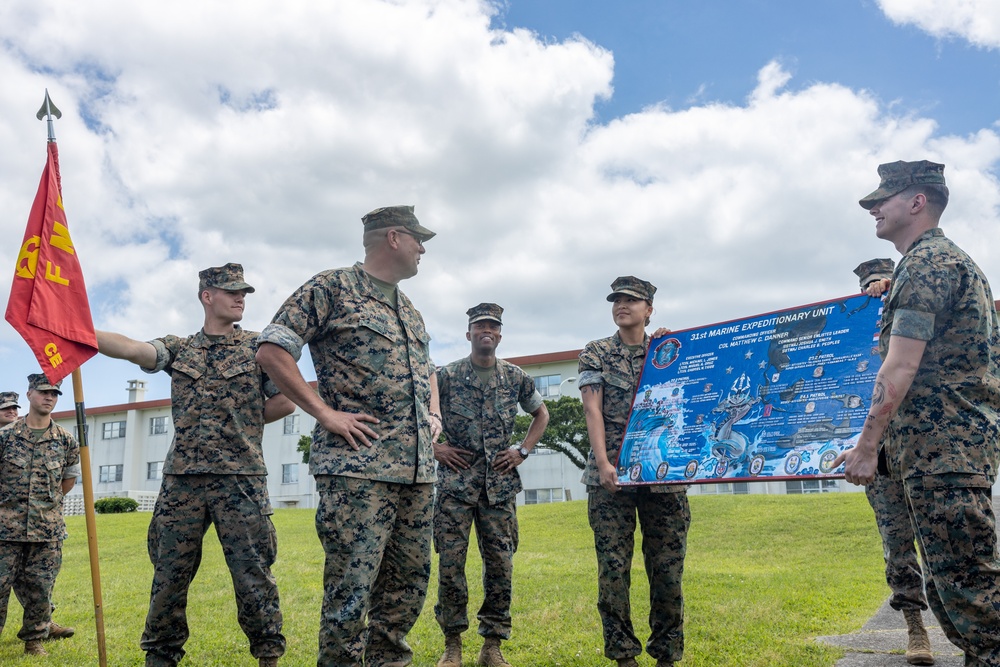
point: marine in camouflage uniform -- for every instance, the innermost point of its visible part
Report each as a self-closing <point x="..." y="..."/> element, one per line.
<point x="214" y="471"/>
<point x="941" y="422"/>
<point x="39" y="464"/>
<point x="887" y="497"/>
<point x="370" y="351"/>
<point x="888" y="500"/>
<point x="478" y="483"/>
<point x="609" y="372"/>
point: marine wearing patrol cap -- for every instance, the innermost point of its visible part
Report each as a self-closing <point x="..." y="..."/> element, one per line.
<point x="899" y="175"/>
<point x="875" y="269"/>
<point x="632" y="286"/>
<point x="8" y="399"/>
<point x="38" y="382"/>
<point x="396" y="216"/>
<point x="485" y="311"/>
<point x="228" y="278"/>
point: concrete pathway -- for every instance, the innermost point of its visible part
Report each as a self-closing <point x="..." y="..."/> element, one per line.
<point x="882" y="642"/>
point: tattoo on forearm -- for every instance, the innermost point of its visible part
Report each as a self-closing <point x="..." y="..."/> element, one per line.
<point x="878" y="394"/>
<point x="592" y="388"/>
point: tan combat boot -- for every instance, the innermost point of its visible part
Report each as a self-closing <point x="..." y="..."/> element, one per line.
<point x="452" y="656"/>
<point x="490" y="655"/>
<point x="34" y="647"/>
<point x="57" y="631"/>
<point x="918" y="647"/>
<point x="628" y="662"/>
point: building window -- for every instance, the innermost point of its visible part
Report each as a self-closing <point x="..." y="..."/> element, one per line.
<point x="812" y="486"/>
<point x="154" y="470"/>
<point x="113" y="430"/>
<point x="157" y="425"/>
<point x="290" y="473"/>
<point x="539" y="496"/>
<point x="112" y="473"/>
<point x="736" y="488"/>
<point x="548" y="385"/>
<point x="291" y="424"/>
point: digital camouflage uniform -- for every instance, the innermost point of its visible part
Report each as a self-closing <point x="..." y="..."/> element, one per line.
<point x="887" y="496"/>
<point x="214" y="473"/>
<point x="32" y="529"/>
<point x="943" y="441"/>
<point x="375" y="509"/>
<point x="8" y="399"/>
<point x="478" y="419"/>
<point x="664" y="517"/>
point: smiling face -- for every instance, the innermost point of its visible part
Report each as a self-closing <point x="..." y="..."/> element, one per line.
<point x="629" y="311"/>
<point x="8" y="415"/>
<point x="485" y="336"/>
<point x="892" y="216"/>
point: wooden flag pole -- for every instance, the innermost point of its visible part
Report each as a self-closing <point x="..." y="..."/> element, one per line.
<point x="88" y="508"/>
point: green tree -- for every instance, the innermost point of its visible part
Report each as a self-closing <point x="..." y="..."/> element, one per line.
<point x="305" y="442"/>
<point x="566" y="432"/>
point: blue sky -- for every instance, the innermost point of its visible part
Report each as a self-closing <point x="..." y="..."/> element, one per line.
<point x="717" y="149"/>
<point x="682" y="53"/>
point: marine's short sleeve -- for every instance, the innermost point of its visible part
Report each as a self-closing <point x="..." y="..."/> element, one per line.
<point x="302" y="316"/>
<point x="920" y="293"/>
<point x="270" y="389"/>
<point x="166" y="349"/>
<point x="284" y="338"/>
<point x="591" y="367"/>
<point x="528" y="397"/>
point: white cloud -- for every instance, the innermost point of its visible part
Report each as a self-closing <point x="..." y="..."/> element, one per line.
<point x="977" y="21"/>
<point x="262" y="132"/>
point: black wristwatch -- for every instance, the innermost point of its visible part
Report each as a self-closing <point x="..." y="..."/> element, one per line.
<point x="523" y="452"/>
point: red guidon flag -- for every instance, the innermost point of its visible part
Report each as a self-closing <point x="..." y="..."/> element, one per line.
<point x="48" y="300"/>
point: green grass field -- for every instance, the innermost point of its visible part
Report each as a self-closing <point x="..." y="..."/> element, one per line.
<point x="764" y="576"/>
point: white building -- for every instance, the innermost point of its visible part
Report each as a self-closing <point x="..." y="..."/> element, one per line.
<point x="129" y="441"/>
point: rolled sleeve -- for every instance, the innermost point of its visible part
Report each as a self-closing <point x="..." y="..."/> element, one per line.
<point x="284" y="338"/>
<point x="71" y="472"/>
<point x="913" y="324"/>
<point x="589" y="377"/>
<point x="532" y="403"/>
<point x="163" y="356"/>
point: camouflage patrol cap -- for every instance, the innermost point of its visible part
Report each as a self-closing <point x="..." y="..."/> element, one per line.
<point x="8" y="399"/>
<point x="899" y="175"/>
<point x="228" y="278"/>
<point x="396" y="216"/>
<point x="875" y="269"/>
<point x="632" y="286"/>
<point x="38" y="382"/>
<point x="485" y="311"/>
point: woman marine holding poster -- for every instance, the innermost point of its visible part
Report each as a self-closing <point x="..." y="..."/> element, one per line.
<point x="608" y="376"/>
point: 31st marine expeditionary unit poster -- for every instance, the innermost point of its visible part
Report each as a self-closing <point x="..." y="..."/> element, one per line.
<point x="770" y="397"/>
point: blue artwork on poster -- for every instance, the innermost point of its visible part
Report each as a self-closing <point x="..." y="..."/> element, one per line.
<point x="775" y="396"/>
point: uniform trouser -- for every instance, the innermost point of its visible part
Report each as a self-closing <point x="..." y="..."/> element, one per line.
<point x="664" y="519"/>
<point x="902" y="570"/>
<point x="30" y="568"/>
<point x="956" y="531"/>
<point x="377" y="539"/>
<point x="239" y="507"/>
<point x="496" y="534"/>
